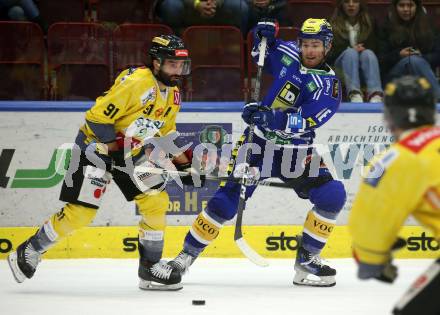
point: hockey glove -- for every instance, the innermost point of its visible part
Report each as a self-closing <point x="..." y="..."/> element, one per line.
<point x="117" y="158"/>
<point x="259" y="115"/>
<point x="266" y="28"/>
<point x="250" y="175"/>
<point x="386" y="272"/>
<point x="193" y="178"/>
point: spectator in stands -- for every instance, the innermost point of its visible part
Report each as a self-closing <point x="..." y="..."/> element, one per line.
<point x="409" y="43"/>
<point x="182" y="13"/>
<point x="23" y="10"/>
<point x="353" y="54"/>
<point x="273" y="9"/>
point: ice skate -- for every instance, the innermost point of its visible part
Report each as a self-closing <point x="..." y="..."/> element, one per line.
<point x="182" y="262"/>
<point x="158" y="276"/>
<point x="311" y="271"/>
<point x="24" y="261"/>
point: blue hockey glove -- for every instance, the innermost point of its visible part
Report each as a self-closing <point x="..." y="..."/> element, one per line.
<point x="266" y="28"/>
<point x="259" y="115"/>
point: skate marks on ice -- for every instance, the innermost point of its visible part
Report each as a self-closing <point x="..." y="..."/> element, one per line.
<point x="109" y="286"/>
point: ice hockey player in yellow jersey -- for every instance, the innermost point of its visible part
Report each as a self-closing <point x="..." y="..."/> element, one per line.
<point x="141" y="106"/>
<point x="403" y="181"/>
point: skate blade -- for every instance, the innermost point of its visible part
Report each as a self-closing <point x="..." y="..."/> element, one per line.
<point x="154" y="286"/>
<point x="16" y="272"/>
<point x="301" y="278"/>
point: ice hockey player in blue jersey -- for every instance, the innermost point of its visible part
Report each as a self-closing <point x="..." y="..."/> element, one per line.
<point x="304" y="95"/>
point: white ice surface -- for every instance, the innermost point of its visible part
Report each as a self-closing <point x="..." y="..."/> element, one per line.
<point x="229" y="286"/>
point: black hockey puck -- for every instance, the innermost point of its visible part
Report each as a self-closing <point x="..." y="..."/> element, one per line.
<point x="198" y="302"/>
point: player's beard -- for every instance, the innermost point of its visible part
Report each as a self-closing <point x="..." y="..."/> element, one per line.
<point x="169" y="80"/>
<point x="317" y="66"/>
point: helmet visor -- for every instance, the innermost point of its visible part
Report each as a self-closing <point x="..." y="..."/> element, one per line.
<point x="176" y="67"/>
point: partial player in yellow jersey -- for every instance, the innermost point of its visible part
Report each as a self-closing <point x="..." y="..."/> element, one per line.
<point x="137" y="113"/>
<point x="403" y="181"/>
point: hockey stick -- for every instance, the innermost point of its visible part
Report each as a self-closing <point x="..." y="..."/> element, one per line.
<point x="248" y="251"/>
<point x="140" y="170"/>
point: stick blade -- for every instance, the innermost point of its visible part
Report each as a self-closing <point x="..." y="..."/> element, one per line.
<point x="250" y="253"/>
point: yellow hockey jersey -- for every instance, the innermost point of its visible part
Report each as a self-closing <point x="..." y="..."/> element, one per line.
<point x="403" y="181"/>
<point x="134" y="108"/>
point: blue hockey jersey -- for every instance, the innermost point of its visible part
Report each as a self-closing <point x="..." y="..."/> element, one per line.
<point x="302" y="99"/>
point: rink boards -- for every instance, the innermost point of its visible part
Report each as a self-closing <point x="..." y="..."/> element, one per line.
<point x="270" y="241"/>
<point x="35" y="141"/>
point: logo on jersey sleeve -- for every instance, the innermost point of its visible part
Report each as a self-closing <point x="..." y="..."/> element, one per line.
<point x="176" y="97"/>
<point x="335" y="89"/>
<point x="295" y="121"/>
<point x="148" y="96"/>
<point x="378" y="168"/>
<point x="420" y="138"/>
<point x="328" y="84"/>
<point x="287" y="96"/>
<point x="283" y="72"/>
<point x="323" y="113"/>
<point x="144" y="128"/>
<point x="311" y="122"/>
<point x="311" y="86"/>
<point x="286" y="60"/>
